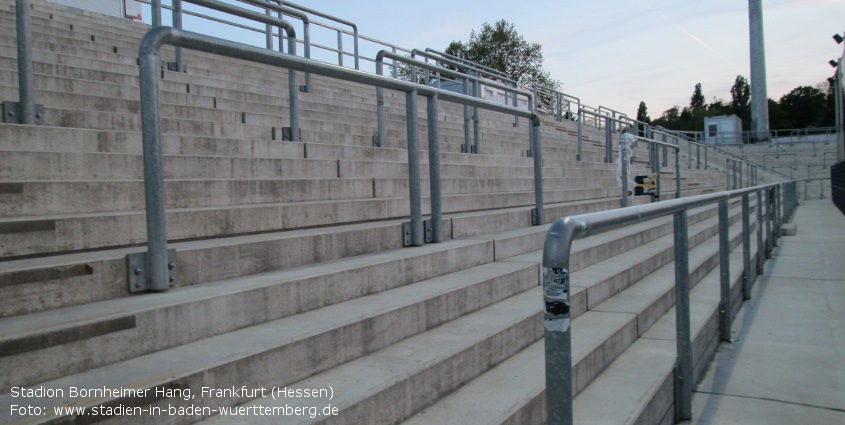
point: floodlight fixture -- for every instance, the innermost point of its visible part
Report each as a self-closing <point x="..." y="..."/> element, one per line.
<point x="833" y="63"/>
<point x="838" y="38"/>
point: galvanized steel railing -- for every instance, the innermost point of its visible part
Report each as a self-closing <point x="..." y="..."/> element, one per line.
<point x="780" y="197"/>
<point x="655" y="167"/>
<point x="413" y="64"/>
<point x="154" y="269"/>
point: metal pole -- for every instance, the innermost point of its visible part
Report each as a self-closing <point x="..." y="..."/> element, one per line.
<point x="678" y="173"/>
<point x="727" y="174"/>
<point x="434" y="171"/>
<point x="26" y="94"/>
<point x="382" y="132"/>
<point x="724" y="273"/>
<point x="769" y="223"/>
<point x="534" y="139"/>
<point x="761" y="250"/>
<point x="177" y="23"/>
<point x="155" y="8"/>
<point x="558" y="345"/>
<point x="157" y="273"/>
<point x="608" y="141"/>
<point x="746" y="248"/>
<point x="683" y="368"/>
<point x="580" y="156"/>
<point x="268" y="31"/>
<point x="467" y="118"/>
<point x="623" y="154"/>
<point x="339" y="48"/>
<point x="697" y="156"/>
<point x="417" y="236"/>
<point x="476" y="129"/>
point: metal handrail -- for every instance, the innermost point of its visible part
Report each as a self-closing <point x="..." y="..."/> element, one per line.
<point x="156" y="259"/>
<point x="469" y="62"/>
<point x="381" y="137"/>
<point x="556" y="280"/>
<point x="655" y="164"/>
<point x="335" y="19"/>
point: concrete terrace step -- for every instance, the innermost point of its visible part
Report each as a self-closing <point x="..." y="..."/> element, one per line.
<point x="353" y="329"/>
<point x="271" y="295"/>
<point x="33" y="198"/>
<point x="45" y="283"/>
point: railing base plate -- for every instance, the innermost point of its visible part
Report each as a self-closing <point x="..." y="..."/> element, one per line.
<point x="136" y="270"/>
<point x="12" y="113"/>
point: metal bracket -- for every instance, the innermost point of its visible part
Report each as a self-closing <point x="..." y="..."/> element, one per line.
<point x="535" y="220"/>
<point x="303" y="88"/>
<point x="376" y="142"/>
<point x="529" y="153"/>
<point x="171" y="66"/>
<point x="12" y="113"/>
<point x="406" y="233"/>
<point x="136" y="270"/>
<point x="287" y="135"/>
<point x="429" y="231"/>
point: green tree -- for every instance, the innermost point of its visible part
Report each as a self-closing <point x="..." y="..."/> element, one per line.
<point x="805" y="106"/>
<point x="501" y="47"/>
<point x="642" y="113"/>
<point x="697" y="99"/>
<point x="741" y="101"/>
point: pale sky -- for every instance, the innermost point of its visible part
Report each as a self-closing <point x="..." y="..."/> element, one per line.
<point x="615" y="53"/>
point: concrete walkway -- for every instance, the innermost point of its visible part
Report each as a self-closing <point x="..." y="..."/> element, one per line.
<point x="787" y="364"/>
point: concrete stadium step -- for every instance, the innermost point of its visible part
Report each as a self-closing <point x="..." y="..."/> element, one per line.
<point x="353" y="329"/>
<point x="104" y="273"/>
<point x="73" y="197"/>
<point x="88" y="196"/>
<point x="36" y="284"/>
<point x="181" y="316"/>
<point x="27" y="235"/>
<point x="517" y="384"/>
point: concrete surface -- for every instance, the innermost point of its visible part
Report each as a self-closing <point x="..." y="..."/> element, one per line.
<point x="785" y="366"/>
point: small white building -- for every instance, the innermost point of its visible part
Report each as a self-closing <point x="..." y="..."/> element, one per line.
<point x="723" y="130"/>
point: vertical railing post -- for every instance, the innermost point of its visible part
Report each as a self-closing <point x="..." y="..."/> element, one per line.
<point x="293" y="89"/>
<point x="727" y="174"/>
<point x="417" y="236"/>
<point x="476" y="121"/>
<point x="608" y="141"/>
<point x="769" y="222"/>
<point x="761" y="250"/>
<point x="580" y="156"/>
<point x="777" y="215"/>
<point x="381" y="131"/>
<point x="678" y="173"/>
<point x="26" y="91"/>
<point x="467" y="118"/>
<point x="724" y="273"/>
<point x="434" y="171"/>
<point x="623" y="156"/>
<point x="178" y="65"/>
<point x="534" y="140"/>
<point x="697" y="156"/>
<point x="268" y="31"/>
<point x="157" y="274"/>
<point x="683" y="367"/>
<point x="558" y="346"/>
<point x="340" y="48"/>
<point x="746" y="248"/>
<point x="155" y="10"/>
<point x="706" y="165"/>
